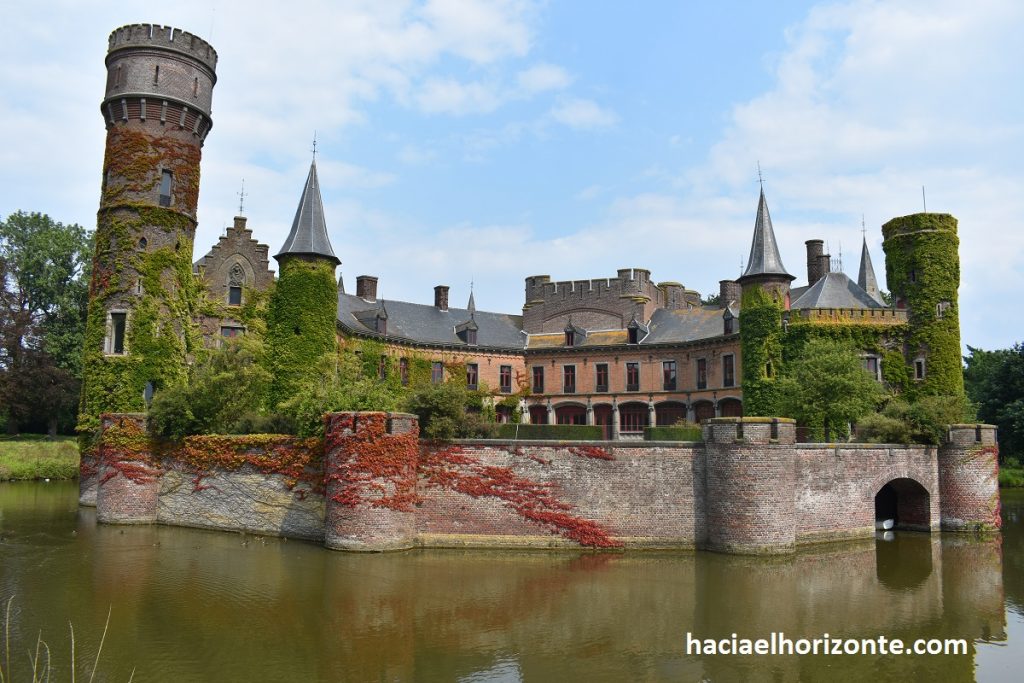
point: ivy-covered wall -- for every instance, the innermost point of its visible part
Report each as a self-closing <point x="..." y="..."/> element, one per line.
<point x="761" y="348"/>
<point x="142" y="266"/>
<point x="922" y="267"/>
<point x="301" y="321"/>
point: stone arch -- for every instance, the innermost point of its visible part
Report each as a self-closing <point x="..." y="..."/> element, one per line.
<point x="571" y="413"/>
<point x="668" y="413"/>
<point x="231" y="266"/>
<point x="603" y="418"/>
<point x="906" y="501"/>
<point x="633" y="417"/>
<point x="538" y="414"/>
<point x="703" y="410"/>
<point x="730" y="406"/>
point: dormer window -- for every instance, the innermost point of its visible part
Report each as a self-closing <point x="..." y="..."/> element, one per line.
<point x="382" y="325"/>
<point x="634" y="335"/>
<point x="471" y="336"/>
<point x="570" y="338"/>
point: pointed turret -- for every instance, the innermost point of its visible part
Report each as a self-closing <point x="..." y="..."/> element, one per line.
<point x="764" y="257"/>
<point x="471" y="306"/>
<point x="308" y="236"/>
<point x="866" y="276"/>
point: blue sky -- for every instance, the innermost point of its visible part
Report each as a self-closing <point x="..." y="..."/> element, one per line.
<point x="473" y="141"/>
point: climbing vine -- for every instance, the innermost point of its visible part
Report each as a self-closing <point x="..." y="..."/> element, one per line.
<point x="369" y="466"/>
<point x="761" y="348"/>
<point x="124" y="448"/>
<point x="923" y="271"/>
<point x="299" y="461"/>
<point x="453" y="469"/>
<point x="301" y="322"/>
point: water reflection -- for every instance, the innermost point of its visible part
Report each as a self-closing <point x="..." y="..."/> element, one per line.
<point x="195" y="605"/>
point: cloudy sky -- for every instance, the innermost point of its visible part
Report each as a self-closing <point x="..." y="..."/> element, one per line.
<point x="466" y="141"/>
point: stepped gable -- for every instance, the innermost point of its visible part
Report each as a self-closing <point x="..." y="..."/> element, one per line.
<point x="308" y="236"/>
<point x="429" y="325"/>
<point x="835" y="290"/>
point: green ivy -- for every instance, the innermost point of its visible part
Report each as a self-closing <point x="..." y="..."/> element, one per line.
<point x="301" y="322"/>
<point x="922" y="268"/>
<point x="161" y="335"/>
<point x="761" y="349"/>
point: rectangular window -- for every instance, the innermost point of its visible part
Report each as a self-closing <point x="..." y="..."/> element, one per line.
<point x="538" y="380"/>
<point x="437" y="372"/>
<point x="872" y="365"/>
<point x="702" y="373"/>
<point x="165" y="188"/>
<point x="728" y="371"/>
<point x="602" y="377"/>
<point x="505" y="379"/>
<point x="728" y="325"/>
<point x="919" y="368"/>
<point x="570" y="338"/>
<point x="632" y="377"/>
<point x="234" y="296"/>
<point x="118" y="325"/>
<point x="471" y="337"/>
<point x="472" y="375"/>
<point x="229" y="332"/>
<point x="382" y="367"/>
<point x="569" y="379"/>
<point x="403" y="371"/>
<point x="668" y="372"/>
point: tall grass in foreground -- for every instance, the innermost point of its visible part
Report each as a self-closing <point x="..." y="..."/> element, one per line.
<point x="37" y="457"/>
<point x="39" y="660"/>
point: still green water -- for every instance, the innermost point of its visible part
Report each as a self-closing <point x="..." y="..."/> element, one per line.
<point x="190" y="605"/>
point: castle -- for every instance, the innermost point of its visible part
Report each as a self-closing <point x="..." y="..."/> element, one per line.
<point x="621" y="352"/>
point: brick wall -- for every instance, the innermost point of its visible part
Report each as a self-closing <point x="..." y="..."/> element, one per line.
<point x="969" y="477"/>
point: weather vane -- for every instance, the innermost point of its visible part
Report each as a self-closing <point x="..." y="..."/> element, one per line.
<point x="314" y="145"/>
<point x="241" y="200"/>
<point x="760" y="178"/>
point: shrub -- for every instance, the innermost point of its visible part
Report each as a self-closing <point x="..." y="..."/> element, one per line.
<point x="549" y="432"/>
<point x="674" y="433"/>
<point x="926" y="421"/>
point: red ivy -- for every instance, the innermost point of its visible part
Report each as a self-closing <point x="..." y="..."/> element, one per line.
<point x="370" y="466"/>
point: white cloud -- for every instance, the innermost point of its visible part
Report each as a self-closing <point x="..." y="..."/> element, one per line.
<point x="581" y="113"/>
<point x="543" y="77"/>
<point x="448" y="96"/>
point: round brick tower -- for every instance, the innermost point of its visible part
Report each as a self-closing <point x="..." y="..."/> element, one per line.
<point x="156" y="109"/>
<point x="922" y="270"/>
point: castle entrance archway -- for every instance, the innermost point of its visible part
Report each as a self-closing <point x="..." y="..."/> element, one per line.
<point x="906" y="502"/>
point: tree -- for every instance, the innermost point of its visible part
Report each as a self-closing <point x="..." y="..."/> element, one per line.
<point x="994" y="381"/>
<point x="826" y="388"/>
<point x="44" y="269"/>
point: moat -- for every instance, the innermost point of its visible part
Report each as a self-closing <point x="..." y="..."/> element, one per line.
<point x="196" y="605"/>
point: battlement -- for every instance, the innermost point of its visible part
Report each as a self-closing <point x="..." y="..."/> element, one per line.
<point x="864" y="316"/>
<point x="163" y="38"/>
<point x="919" y="222"/>
<point x="629" y="282"/>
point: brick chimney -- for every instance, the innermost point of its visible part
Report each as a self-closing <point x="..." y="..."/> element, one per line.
<point x="815" y="249"/>
<point x="728" y="290"/>
<point x="441" y="297"/>
<point x="366" y="287"/>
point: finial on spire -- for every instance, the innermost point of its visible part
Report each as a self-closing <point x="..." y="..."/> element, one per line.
<point x="863" y="228"/>
<point x="314" y="146"/>
<point x="241" y="200"/>
<point x="760" y="178"/>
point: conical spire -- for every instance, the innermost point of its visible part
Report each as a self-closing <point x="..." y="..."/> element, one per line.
<point x="866" y="276"/>
<point x="471" y="306"/>
<point x="309" y="230"/>
<point x="764" y="252"/>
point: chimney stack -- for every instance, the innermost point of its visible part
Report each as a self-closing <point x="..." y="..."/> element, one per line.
<point x="815" y="248"/>
<point x="441" y="297"/>
<point x="366" y="287"/>
<point x="728" y="290"/>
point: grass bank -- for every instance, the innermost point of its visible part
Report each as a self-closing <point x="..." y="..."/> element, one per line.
<point x="36" y="457"/>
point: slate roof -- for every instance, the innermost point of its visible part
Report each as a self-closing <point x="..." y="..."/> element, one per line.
<point x="835" y="290"/>
<point x="308" y="236"/>
<point x="685" y="325"/>
<point x="764" y="256"/>
<point x="426" y="324"/>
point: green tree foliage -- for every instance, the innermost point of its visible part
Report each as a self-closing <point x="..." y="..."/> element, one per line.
<point x="761" y="346"/>
<point x="226" y="393"/>
<point x="449" y="411"/>
<point x="925" y="420"/>
<point x="995" y="384"/>
<point x="44" y="269"/>
<point x="826" y="388"/>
